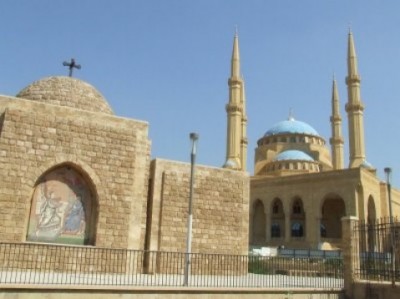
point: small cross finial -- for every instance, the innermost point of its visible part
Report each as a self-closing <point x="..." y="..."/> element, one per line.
<point x="236" y="30"/>
<point x="71" y="65"/>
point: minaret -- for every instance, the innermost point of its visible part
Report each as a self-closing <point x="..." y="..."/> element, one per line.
<point x="336" y="140"/>
<point x="354" y="108"/>
<point x="243" y="141"/>
<point x="236" y="138"/>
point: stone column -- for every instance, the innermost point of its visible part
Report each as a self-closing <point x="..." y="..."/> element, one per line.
<point x="287" y="226"/>
<point x="268" y="224"/>
<point x="351" y="258"/>
<point x="318" y="232"/>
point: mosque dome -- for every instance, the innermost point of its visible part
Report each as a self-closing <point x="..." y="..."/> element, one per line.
<point x="66" y="91"/>
<point x="291" y="126"/>
<point x="293" y="155"/>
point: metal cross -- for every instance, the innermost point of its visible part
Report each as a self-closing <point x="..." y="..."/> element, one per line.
<point x="71" y="65"/>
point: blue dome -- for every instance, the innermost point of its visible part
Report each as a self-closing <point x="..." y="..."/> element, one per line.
<point x="291" y="126"/>
<point x="293" y="155"/>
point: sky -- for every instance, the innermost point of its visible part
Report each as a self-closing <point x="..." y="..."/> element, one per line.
<point x="167" y="62"/>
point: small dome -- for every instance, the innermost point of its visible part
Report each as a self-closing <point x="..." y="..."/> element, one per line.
<point x="231" y="164"/>
<point x="66" y="91"/>
<point x="291" y="126"/>
<point x="293" y="155"/>
<point x="366" y="164"/>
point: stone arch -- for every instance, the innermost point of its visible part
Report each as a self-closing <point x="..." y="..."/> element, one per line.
<point x="332" y="210"/>
<point x="64" y="207"/>
<point x="259" y="223"/>
<point x="297" y="218"/>
<point x="277" y="219"/>
<point x="60" y="159"/>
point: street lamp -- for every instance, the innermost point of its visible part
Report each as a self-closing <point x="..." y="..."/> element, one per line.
<point x="388" y="172"/>
<point x="193" y="137"/>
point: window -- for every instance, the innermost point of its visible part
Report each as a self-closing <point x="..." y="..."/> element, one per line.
<point x="297" y="230"/>
<point x="275" y="230"/>
<point x="323" y="231"/>
<point x="296" y="208"/>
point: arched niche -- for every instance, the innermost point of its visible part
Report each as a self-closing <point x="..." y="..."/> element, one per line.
<point x="63" y="208"/>
<point x="332" y="211"/>
<point x="297" y="218"/>
<point x="259" y="223"/>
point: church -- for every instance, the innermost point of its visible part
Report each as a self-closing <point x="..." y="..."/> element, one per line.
<point x="76" y="174"/>
<point x="301" y="189"/>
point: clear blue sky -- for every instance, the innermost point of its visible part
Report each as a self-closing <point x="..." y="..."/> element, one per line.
<point x="167" y="62"/>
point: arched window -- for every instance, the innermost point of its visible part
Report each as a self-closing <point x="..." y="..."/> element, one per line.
<point x="277" y="219"/>
<point x="297" y="208"/>
<point x="275" y="230"/>
<point x="322" y="230"/>
<point x="297" y="229"/>
<point x="275" y="208"/>
<point x="63" y="209"/>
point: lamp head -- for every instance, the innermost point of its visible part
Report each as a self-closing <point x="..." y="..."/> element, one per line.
<point x="388" y="172"/>
<point x="194" y="136"/>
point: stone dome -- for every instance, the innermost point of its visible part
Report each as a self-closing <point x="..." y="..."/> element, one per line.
<point x="291" y="126"/>
<point x="66" y="91"/>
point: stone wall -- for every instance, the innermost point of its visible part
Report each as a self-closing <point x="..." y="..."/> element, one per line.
<point x="112" y="153"/>
<point x="220" y="209"/>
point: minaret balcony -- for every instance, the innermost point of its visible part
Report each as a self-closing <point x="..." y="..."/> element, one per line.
<point x="233" y="108"/>
<point x="353" y="79"/>
<point x="335" y="118"/>
<point x="353" y="107"/>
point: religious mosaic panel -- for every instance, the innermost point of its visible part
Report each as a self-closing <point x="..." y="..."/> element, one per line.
<point x="62" y="209"/>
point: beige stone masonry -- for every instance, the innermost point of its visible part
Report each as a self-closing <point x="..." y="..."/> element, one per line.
<point x="112" y="152"/>
<point x="220" y="209"/>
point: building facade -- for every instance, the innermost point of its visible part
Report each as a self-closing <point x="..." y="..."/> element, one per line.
<point x="300" y="189"/>
<point x="74" y="173"/>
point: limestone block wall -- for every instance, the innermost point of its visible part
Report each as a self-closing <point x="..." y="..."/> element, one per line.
<point x="313" y="190"/>
<point x="111" y="152"/>
<point x="220" y="209"/>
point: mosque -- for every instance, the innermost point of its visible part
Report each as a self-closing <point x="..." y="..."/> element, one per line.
<point x="74" y="173"/>
<point x="300" y="189"/>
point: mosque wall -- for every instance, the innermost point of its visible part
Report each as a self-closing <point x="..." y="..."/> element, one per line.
<point x="313" y="191"/>
<point x="220" y="209"/>
<point x="92" y="158"/>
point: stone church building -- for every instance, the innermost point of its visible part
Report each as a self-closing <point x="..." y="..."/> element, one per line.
<point x="73" y="172"/>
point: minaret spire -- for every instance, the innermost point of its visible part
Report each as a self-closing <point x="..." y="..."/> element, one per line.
<point x="235" y="62"/>
<point x="243" y="141"/>
<point x="354" y="108"/>
<point x="236" y="148"/>
<point x="336" y="140"/>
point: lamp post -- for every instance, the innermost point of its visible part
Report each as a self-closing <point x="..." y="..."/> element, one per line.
<point x="388" y="172"/>
<point x="193" y="137"/>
